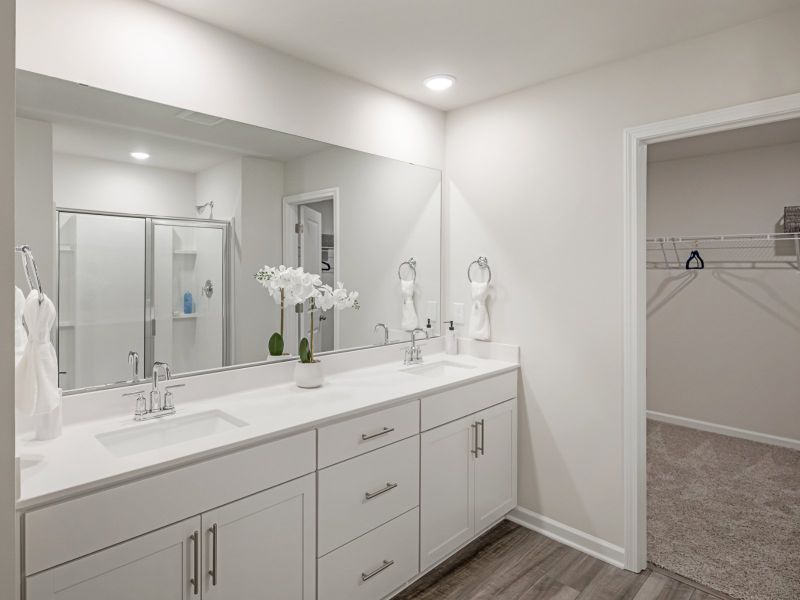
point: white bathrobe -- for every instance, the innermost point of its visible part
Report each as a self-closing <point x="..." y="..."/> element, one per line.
<point x="409" y="320"/>
<point x="479" y="328"/>
<point x="36" y="375"/>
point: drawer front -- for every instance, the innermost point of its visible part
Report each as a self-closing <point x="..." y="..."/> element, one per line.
<point x="360" y="494"/>
<point x="350" y="438"/>
<point x="444" y="407"/>
<point x="373" y="565"/>
<point x="64" y="531"/>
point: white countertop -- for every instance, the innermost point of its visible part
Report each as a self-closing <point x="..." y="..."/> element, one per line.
<point x="77" y="463"/>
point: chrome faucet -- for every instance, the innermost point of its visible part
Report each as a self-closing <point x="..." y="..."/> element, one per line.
<point x="155" y="393"/>
<point x="413" y="354"/>
<point x="156" y="407"/>
<point x="385" y="332"/>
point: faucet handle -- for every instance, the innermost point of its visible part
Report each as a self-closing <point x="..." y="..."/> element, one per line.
<point x="168" y="404"/>
<point x="141" y="403"/>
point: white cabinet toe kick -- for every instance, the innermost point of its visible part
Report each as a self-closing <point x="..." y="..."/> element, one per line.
<point x="355" y="509"/>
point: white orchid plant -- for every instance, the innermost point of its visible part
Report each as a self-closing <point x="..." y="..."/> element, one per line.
<point x="293" y="286"/>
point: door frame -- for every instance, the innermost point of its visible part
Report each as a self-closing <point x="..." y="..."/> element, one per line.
<point x="291" y="207"/>
<point x="634" y="318"/>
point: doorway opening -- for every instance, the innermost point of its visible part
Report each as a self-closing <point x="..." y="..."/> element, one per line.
<point x="637" y="142"/>
<point x="310" y="237"/>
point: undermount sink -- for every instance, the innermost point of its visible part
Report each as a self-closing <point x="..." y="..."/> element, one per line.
<point x="440" y="368"/>
<point x="167" y="431"/>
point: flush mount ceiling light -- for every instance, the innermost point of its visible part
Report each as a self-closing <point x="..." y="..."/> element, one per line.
<point x="140" y="155"/>
<point x="439" y="82"/>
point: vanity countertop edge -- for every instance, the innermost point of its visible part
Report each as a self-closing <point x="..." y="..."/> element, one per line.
<point x="76" y="464"/>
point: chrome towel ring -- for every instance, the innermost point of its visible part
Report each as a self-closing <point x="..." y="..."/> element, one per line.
<point x="412" y="265"/>
<point x="482" y="263"/>
<point x="31" y="270"/>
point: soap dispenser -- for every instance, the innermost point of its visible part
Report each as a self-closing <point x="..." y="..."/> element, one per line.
<point x="450" y="340"/>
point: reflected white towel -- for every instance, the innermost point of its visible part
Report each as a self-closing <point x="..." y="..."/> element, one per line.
<point x="20" y="335"/>
<point x="410" y="320"/>
<point x="479" y="328"/>
<point x="36" y="375"/>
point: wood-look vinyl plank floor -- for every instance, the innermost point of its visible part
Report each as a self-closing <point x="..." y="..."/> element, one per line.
<point x="510" y="562"/>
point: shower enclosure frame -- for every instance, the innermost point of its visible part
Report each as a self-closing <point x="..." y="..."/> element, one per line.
<point x="150" y="222"/>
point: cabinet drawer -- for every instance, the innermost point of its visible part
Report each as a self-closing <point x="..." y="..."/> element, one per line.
<point x="350" y="438"/>
<point x="444" y="407"/>
<point x="362" y="493"/>
<point x="373" y="565"/>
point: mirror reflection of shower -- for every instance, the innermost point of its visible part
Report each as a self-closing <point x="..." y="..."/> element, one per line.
<point x="131" y="285"/>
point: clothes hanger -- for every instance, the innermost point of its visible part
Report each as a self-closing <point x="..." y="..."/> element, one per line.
<point x="695" y="262"/>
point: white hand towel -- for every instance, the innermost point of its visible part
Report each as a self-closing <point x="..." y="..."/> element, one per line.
<point x="36" y="374"/>
<point x="479" y="328"/>
<point x="410" y="320"/>
<point x="20" y="335"/>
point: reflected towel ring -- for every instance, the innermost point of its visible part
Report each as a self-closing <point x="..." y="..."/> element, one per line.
<point x="483" y="263"/>
<point x="31" y="270"/>
<point x="412" y="264"/>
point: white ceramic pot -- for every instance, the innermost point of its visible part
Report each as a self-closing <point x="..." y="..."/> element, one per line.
<point x="308" y="375"/>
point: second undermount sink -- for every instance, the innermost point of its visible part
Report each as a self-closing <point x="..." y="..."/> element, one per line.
<point x="167" y="431"/>
<point x="439" y="368"/>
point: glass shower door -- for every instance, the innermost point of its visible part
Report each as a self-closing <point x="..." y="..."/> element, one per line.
<point x="101" y="297"/>
<point x="188" y="295"/>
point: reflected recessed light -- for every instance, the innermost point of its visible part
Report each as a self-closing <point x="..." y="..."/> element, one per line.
<point x="140" y="155"/>
<point x="439" y="82"/>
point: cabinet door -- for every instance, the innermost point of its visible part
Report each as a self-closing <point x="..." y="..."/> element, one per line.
<point x="496" y="464"/>
<point x="156" y="566"/>
<point x="263" y="546"/>
<point x="446" y="494"/>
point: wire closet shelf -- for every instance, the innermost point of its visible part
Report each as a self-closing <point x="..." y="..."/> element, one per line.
<point x="737" y="251"/>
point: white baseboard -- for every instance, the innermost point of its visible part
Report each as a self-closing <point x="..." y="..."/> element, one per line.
<point x="589" y="544"/>
<point x="745" y="434"/>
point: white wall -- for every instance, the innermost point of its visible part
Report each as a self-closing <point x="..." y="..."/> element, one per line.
<point x="723" y="344"/>
<point x="389" y="211"/>
<point x="190" y="64"/>
<point x="8" y="541"/>
<point x="103" y="185"/>
<point x="535" y="182"/>
<point x="34" y="218"/>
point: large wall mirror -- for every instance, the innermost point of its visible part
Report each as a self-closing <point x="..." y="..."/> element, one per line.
<point x="149" y="223"/>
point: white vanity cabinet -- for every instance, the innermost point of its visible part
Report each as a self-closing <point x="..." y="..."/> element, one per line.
<point x="156" y="566"/>
<point x="468" y="468"/>
<point x="262" y="546"/>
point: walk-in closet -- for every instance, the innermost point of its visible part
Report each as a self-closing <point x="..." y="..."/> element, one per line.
<point x="723" y="352"/>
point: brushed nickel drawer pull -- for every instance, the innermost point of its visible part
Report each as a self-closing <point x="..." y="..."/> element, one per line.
<point x="386" y="564"/>
<point x="474" y="450"/>
<point x="369" y="436"/>
<point x="389" y="487"/>
<point x="195" y="581"/>
<point x="213" y="570"/>
<point x="483" y="435"/>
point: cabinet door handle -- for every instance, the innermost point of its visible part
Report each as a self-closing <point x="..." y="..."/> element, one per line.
<point x="386" y="564"/>
<point x="195" y="581"/>
<point x="474" y="450"/>
<point x="389" y="487"/>
<point x="370" y="436"/>
<point x="213" y="570"/>
<point x="483" y="434"/>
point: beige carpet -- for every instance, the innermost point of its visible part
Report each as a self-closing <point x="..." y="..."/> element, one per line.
<point x="724" y="512"/>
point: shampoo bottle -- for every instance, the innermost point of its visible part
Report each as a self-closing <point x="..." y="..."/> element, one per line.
<point x="450" y="340"/>
<point x="187" y="303"/>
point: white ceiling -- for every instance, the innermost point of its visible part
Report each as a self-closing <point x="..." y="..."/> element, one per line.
<point x="491" y="46"/>
<point x="745" y="138"/>
<point x="101" y="124"/>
